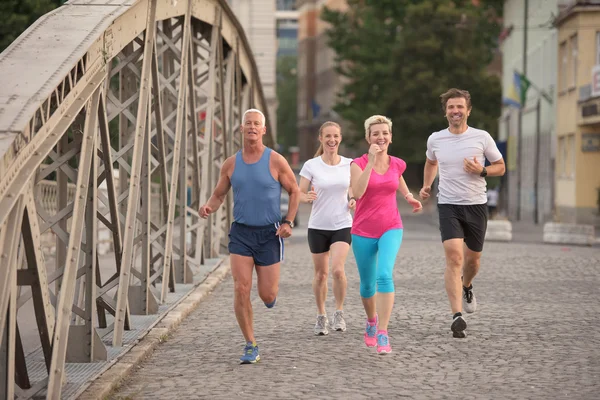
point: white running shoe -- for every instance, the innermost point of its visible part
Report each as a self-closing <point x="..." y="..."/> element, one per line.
<point x="339" y="323"/>
<point x="469" y="300"/>
<point x="320" y="328"/>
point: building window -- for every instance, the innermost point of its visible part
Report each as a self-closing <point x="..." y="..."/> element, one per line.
<point x="562" y="83"/>
<point x="573" y="46"/>
<point x="286" y="5"/>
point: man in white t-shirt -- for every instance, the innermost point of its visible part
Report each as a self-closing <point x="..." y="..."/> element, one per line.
<point x="460" y="152"/>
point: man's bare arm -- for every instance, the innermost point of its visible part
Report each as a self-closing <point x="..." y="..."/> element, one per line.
<point x="430" y="172"/>
<point x="497" y="168"/>
<point x="429" y="175"/>
<point x="223" y="185"/>
<point x="288" y="182"/>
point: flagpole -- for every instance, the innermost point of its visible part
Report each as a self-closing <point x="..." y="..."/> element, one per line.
<point x="536" y="165"/>
<point x="520" y="130"/>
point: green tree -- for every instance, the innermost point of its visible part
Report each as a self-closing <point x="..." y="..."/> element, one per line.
<point x="17" y="15"/>
<point x="400" y="55"/>
<point x="287" y="88"/>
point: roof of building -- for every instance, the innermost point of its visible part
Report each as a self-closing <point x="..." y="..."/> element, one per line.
<point x="569" y="8"/>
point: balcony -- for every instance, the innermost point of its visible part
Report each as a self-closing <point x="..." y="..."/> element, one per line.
<point x="589" y="100"/>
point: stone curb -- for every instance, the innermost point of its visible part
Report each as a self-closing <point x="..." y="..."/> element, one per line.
<point x="112" y="378"/>
<point x="571" y="234"/>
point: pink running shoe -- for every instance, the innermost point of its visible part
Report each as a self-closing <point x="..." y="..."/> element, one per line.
<point x="383" y="343"/>
<point x="371" y="333"/>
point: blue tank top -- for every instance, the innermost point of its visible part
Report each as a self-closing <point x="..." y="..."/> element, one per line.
<point x="256" y="194"/>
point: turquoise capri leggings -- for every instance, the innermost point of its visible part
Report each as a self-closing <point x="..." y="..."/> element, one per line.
<point x="375" y="259"/>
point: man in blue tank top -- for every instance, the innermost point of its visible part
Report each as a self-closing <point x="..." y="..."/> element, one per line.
<point x="257" y="175"/>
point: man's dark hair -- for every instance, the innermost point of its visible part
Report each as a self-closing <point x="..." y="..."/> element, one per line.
<point x="453" y="94"/>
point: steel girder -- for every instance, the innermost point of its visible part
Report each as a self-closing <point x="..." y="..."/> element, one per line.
<point x="153" y="89"/>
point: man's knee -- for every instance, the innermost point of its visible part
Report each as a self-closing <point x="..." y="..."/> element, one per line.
<point x="242" y="288"/>
<point x="268" y="295"/>
<point x="472" y="261"/>
<point x="454" y="260"/>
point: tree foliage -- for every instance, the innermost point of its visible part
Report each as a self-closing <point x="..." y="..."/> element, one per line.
<point x="287" y="87"/>
<point x="17" y="15"/>
<point x="399" y="55"/>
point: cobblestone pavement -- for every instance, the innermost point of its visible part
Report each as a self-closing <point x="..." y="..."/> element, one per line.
<point x="536" y="334"/>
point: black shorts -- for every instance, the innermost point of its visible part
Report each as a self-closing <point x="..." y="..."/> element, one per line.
<point x="468" y="222"/>
<point x="259" y="242"/>
<point x="320" y="240"/>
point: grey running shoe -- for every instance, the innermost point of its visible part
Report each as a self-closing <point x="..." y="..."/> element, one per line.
<point x="469" y="300"/>
<point x="321" y="325"/>
<point x="339" y="323"/>
<point x="458" y="327"/>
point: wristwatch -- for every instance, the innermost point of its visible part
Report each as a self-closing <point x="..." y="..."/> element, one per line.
<point x="290" y="223"/>
<point x="483" y="173"/>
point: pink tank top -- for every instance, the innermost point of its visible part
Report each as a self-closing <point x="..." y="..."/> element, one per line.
<point x="377" y="210"/>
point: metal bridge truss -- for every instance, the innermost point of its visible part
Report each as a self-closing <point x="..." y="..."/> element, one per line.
<point x="153" y="89"/>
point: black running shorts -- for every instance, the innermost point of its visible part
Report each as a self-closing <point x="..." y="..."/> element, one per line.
<point x="319" y="240"/>
<point x="468" y="222"/>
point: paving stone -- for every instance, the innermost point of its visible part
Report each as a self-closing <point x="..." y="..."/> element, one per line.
<point x="536" y="333"/>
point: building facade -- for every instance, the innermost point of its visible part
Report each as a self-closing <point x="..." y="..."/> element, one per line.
<point x="578" y="122"/>
<point x="528" y="188"/>
<point x="287" y="28"/>
<point x="257" y="17"/>
<point x="318" y="82"/>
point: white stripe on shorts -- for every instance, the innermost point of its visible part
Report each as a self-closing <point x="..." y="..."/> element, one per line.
<point x="277" y="225"/>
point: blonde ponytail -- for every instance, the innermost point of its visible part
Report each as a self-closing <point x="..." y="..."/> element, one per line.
<point x="319" y="150"/>
<point x="325" y="125"/>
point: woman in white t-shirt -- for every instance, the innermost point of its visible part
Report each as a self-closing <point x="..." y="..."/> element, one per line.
<point x="328" y="178"/>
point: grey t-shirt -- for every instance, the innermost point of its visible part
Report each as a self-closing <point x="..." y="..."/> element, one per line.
<point x="456" y="186"/>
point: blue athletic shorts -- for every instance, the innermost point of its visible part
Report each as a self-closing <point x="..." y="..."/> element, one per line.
<point x="258" y="242"/>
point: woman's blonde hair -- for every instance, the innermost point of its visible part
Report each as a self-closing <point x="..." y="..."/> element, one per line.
<point x="376" y="119"/>
<point x="325" y="125"/>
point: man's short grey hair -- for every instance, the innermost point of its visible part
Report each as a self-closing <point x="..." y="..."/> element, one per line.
<point x="254" y="110"/>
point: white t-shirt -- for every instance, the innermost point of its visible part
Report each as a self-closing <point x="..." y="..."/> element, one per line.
<point x="331" y="182"/>
<point x="456" y="186"/>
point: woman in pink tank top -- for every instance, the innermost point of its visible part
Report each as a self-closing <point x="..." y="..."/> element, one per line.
<point x="376" y="177"/>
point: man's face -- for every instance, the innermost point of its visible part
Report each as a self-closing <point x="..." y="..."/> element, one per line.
<point x="253" y="127"/>
<point x="457" y="112"/>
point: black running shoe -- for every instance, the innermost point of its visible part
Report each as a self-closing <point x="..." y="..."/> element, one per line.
<point x="458" y="327"/>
